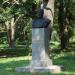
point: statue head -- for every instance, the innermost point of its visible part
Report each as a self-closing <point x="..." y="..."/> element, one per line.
<point x="40" y="13"/>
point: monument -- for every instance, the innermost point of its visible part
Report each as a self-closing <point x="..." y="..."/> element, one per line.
<point x="40" y="45"/>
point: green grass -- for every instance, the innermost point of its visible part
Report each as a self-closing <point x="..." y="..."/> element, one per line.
<point x="8" y="65"/>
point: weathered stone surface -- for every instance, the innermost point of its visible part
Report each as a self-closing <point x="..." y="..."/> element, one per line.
<point x="40" y="45"/>
<point x="51" y="69"/>
<point x="40" y="59"/>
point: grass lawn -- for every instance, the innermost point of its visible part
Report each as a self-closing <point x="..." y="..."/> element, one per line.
<point x="8" y="65"/>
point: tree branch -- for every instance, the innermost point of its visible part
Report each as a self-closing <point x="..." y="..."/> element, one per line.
<point x="18" y="18"/>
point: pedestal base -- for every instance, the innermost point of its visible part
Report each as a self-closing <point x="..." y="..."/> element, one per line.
<point x="51" y="69"/>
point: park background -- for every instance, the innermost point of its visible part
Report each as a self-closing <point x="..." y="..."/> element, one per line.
<point x="16" y="37"/>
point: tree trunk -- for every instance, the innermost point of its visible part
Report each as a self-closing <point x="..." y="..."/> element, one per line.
<point x="61" y="18"/>
<point x="10" y="26"/>
<point x="63" y="25"/>
<point x="12" y="32"/>
<point x="48" y="6"/>
<point x="49" y="9"/>
<point x="8" y="32"/>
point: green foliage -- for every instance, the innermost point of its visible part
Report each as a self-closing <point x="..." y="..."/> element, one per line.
<point x="12" y="9"/>
<point x="27" y="9"/>
<point x="23" y="32"/>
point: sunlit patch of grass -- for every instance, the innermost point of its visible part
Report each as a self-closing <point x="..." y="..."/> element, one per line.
<point x="6" y="60"/>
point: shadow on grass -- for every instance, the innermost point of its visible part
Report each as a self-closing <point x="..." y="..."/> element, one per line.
<point x="13" y="52"/>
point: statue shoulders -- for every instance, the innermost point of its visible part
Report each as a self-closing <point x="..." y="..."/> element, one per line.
<point x="40" y="23"/>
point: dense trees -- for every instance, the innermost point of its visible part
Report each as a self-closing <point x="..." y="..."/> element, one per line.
<point x="10" y="13"/>
<point x="16" y="19"/>
<point x="64" y="21"/>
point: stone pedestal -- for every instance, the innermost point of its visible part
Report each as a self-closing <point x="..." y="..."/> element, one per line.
<point x="40" y="45"/>
<point x="40" y="59"/>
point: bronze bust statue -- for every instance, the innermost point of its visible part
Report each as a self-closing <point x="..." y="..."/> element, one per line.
<point x="40" y="22"/>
